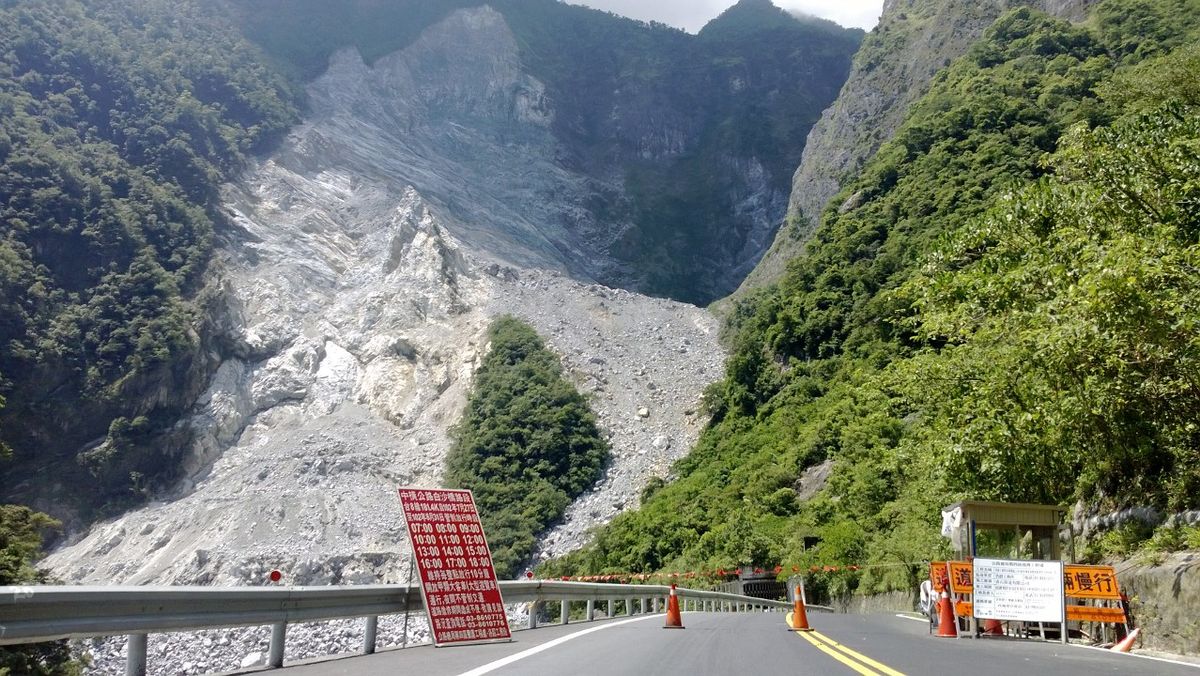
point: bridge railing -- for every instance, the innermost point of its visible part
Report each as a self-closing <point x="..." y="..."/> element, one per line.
<point x="47" y="613"/>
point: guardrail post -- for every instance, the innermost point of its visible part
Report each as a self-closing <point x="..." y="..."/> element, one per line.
<point x="641" y="606"/>
<point x="278" y="638"/>
<point x="591" y="610"/>
<point x="655" y="603"/>
<point x="611" y="608"/>
<point x="566" y="610"/>
<point x="533" y="611"/>
<point x="369" y="635"/>
<point x="135" y="655"/>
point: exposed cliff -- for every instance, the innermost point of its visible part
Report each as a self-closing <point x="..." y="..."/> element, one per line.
<point x="356" y="309"/>
<point x="674" y="151"/>
<point x="548" y="136"/>
<point x="898" y="59"/>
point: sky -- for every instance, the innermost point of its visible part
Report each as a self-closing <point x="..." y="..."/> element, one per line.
<point x="691" y="15"/>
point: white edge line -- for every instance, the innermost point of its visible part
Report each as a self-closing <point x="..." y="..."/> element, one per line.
<point x="1090" y="647"/>
<point x="1144" y="657"/>
<point x="505" y="661"/>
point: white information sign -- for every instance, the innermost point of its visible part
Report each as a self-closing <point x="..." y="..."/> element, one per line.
<point x="1028" y="591"/>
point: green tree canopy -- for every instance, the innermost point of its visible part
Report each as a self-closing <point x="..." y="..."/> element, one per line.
<point x="527" y="443"/>
<point x="1005" y="307"/>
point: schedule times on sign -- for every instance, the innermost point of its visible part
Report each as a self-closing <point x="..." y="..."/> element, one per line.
<point x="454" y="562"/>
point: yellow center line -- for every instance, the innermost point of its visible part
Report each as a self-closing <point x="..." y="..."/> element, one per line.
<point x="837" y="656"/>
<point x="858" y="656"/>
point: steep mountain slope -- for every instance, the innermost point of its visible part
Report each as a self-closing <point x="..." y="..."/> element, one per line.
<point x="987" y="319"/>
<point x="679" y="146"/>
<point x="119" y="122"/>
<point x="355" y="314"/>
<point x="913" y="41"/>
<point x="563" y="139"/>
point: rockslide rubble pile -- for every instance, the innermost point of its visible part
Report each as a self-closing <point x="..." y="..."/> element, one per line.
<point x="356" y="310"/>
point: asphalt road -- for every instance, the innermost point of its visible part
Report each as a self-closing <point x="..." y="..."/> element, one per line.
<point x="750" y="643"/>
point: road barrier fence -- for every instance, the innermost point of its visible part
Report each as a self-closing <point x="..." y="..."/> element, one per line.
<point x="48" y="613"/>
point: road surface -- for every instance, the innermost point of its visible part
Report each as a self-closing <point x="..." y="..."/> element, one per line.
<point x="746" y="643"/>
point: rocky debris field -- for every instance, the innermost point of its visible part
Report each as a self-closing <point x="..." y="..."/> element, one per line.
<point x="643" y="363"/>
<point x="355" y="314"/>
<point x="225" y="650"/>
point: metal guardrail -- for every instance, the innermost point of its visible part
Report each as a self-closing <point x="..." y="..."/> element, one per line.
<point x="47" y="613"/>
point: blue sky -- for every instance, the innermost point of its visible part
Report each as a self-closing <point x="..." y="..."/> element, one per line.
<point x="692" y="14"/>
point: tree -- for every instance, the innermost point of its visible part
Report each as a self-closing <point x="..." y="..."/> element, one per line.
<point x="527" y="443"/>
<point x="20" y="546"/>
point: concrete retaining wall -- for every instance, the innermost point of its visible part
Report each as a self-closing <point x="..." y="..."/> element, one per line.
<point x="889" y="602"/>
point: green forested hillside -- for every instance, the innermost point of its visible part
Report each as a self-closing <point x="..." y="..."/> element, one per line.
<point x="21" y="531"/>
<point x="527" y="444"/>
<point x="1005" y="308"/>
<point x="118" y="120"/>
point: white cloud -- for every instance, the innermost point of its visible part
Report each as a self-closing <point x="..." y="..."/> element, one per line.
<point x="861" y="13"/>
<point x="691" y="15"/>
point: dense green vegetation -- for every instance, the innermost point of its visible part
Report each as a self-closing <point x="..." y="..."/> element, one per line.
<point x="527" y="444"/>
<point x="118" y="120"/>
<point x="1006" y="310"/>
<point x="21" y="532"/>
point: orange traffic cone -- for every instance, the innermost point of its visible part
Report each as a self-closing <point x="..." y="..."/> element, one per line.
<point x="1126" y="644"/>
<point x="993" y="627"/>
<point x="674" y="619"/>
<point x="798" y="618"/>
<point x="947" y="623"/>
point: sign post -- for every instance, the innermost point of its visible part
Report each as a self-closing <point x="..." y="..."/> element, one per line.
<point x="1020" y="590"/>
<point x="458" y="581"/>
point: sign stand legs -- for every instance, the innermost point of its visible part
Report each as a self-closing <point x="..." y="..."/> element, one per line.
<point x="408" y="585"/>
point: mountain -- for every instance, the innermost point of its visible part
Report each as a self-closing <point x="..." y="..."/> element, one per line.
<point x="997" y="306"/>
<point x="121" y="121"/>
<point x="563" y="139"/>
<point x="680" y="145"/>
<point x="251" y="252"/>
<point x="914" y="40"/>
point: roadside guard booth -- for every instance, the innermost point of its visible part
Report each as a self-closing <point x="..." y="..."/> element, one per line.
<point x="1005" y="530"/>
<point x="1011" y="576"/>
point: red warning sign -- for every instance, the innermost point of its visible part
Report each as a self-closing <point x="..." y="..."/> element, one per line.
<point x="458" y="581"/>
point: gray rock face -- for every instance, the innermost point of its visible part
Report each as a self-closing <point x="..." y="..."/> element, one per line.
<point x="1164" y="598"/>
<point x="913" y="41"/>
<point x="356" y="311"/>
<point x="455" y="116"/>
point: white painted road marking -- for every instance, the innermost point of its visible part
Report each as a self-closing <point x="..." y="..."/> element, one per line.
<point x="492" y="666"/>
